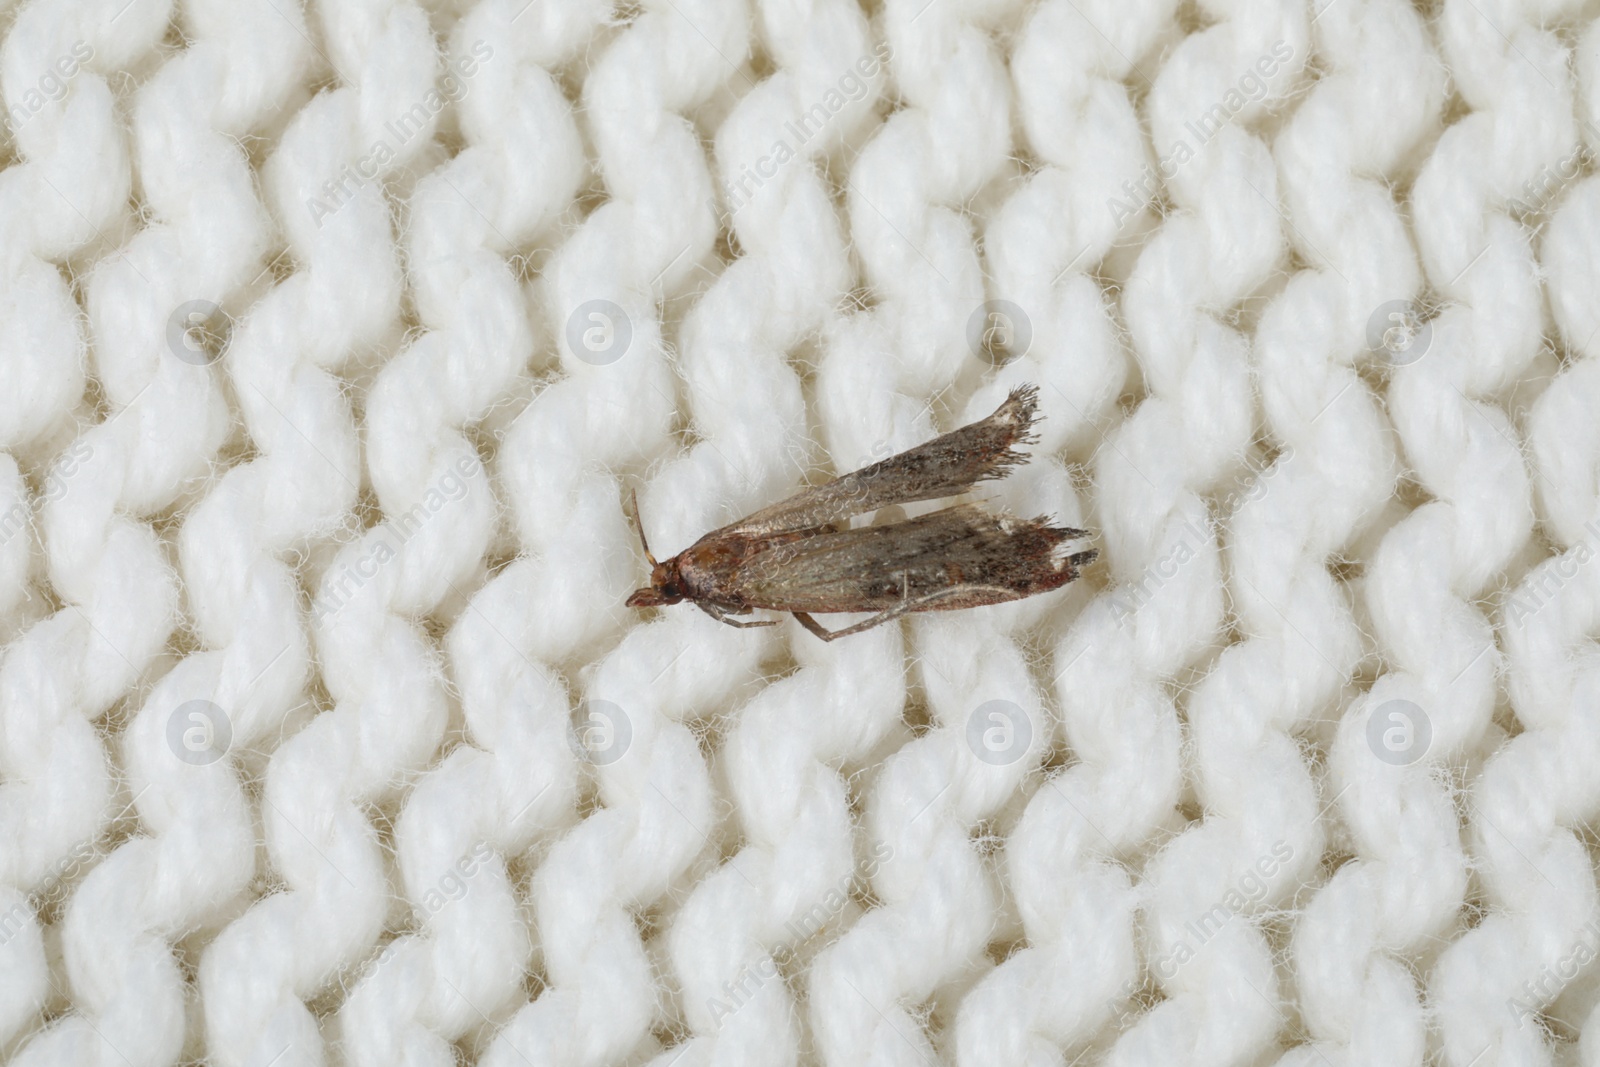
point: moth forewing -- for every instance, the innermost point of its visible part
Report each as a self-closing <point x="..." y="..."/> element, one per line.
<point x="948" y="465"/>
<point x="963" y="553"/>
<point x="798" y="556"/>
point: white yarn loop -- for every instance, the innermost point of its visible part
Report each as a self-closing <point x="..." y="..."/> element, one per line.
<point x="1553" y="615"/>
<point x="1202" y="951"/>
<point x="1337" y="472"/>
<point x="206" y="244"/>
<point x="1464" y="449"/>
<point x="1538" y="877"/>
<point x="937" y="896"/>
<point x="427" y="989"/>
<point x="98" y="491"/>
<point x="1074" y="901"/>
<point x="387" y="713"/>
<point x="747" y="921"/>
<point x="751" y="921"/>
<point x="611" y="410"/>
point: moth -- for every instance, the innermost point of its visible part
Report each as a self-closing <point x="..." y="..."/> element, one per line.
<point x="801" y="556"/>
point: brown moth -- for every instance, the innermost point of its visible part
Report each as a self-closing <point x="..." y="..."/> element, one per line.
<point x="800" y="555"/>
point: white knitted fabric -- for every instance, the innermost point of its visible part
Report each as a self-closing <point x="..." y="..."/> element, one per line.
<point x="334" y="335"/>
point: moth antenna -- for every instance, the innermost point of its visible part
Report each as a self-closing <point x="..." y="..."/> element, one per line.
<point x="638" y="524"/>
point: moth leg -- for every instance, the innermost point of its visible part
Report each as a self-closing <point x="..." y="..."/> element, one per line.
<point x="811" y="624"/>
<point x="877" y="620"/>
<point x="902" y="608"/>
<point x="722" y="616"/>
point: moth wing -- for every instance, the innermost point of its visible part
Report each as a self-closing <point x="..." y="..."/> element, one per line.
<point x="992" y="557"/>
<point x="948" y="465"/>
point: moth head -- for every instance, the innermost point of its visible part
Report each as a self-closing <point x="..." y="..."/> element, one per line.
<point x="666" y="584"/>
<point x="666" y="587"/>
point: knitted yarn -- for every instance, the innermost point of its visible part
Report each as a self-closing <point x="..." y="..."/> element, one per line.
<point x="335" y="336"/>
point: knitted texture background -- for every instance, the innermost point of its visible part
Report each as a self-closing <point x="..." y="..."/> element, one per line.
<point x="334" y="335"/>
